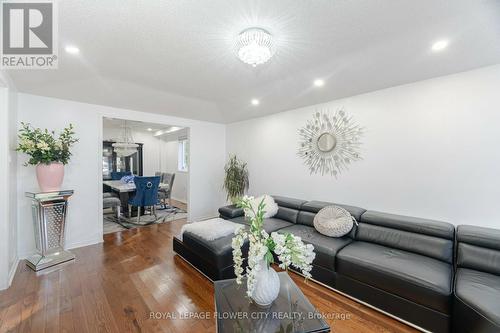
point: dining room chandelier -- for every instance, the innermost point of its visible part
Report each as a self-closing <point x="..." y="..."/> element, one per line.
<point x="126" y="146"/>
<point x="255" y="46"/>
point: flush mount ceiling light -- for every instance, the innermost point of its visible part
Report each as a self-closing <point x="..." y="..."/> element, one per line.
<point x="255" y="46"/>
<point x="255" y="101"/>
<point x="439" y="45"/>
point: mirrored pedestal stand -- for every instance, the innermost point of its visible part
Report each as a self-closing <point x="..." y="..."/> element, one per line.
<point x="49" y="218"/>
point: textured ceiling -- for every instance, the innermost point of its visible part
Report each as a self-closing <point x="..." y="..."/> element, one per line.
<point x="176" y="57"/>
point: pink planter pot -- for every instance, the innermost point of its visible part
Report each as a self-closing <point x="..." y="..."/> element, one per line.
<point x="50" y="176"/>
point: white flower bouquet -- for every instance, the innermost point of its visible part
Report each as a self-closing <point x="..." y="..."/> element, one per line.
<point x="289" y="249"/>
<point x="43" y="146"/>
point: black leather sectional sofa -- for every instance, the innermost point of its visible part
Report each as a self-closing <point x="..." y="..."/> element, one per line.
<point x="418" y="270"/>
<point x="476" y="306"/>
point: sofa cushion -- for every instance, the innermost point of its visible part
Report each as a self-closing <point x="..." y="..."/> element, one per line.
<point x="316" y="206"/>
<point x="310" y="208"/>
<point x="480" y="291"/>
<point x="270" y="225"/>
<point x="479" y="248"/>
<point x="230" y="212"/>
<point x="411" y="224"/>
<point x="479" y="236"/>
<point x="288" y="202"/>
<point x="333" y="221"/>
<point x="287" y="214"/>
<point x="434" y="247"/>
<point x="325" y="247"/>
<point x="426" y="237"/>
<point x="478" y="258"/>
<point x="417" y="278"/>
<point x="270" y="206"/>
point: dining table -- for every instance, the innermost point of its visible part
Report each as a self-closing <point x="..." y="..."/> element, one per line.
<point x="124" y="190"/>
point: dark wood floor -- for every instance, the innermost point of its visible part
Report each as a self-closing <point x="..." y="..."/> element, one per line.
<point x="114" y="287"/>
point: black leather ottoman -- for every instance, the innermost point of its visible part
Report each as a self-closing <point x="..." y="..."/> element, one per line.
<point x="214" y="258"/>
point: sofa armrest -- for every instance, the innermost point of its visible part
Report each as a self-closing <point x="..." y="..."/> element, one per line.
<point x="230" y="212"/>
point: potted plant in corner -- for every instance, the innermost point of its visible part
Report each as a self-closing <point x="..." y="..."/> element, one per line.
<point x="235" y="179"/>
<point x="48" y="152"/>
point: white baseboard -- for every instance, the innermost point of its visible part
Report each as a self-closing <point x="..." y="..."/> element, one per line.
<point x="83" y="243"/>
<point x="13" y="271"/>
<point x="68" y="246"/>
<point x="5" y="284"/>
<point x="184" y="201"/>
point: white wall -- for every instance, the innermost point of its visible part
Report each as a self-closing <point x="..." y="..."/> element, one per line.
<point x="84" y="172"/>
<point x="430" y="150"/>
<point x="13" y="255"/>
<point x="4" y="195"/>
<point x="8" y="166"/>
<point x="170" y="158"/>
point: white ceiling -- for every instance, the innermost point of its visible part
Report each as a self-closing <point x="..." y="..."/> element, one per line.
<point x="176" y="57"/>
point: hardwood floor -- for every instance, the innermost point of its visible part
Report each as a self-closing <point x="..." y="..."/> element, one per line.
<point x="118" y="286"/>
<point x="179" y="204"/>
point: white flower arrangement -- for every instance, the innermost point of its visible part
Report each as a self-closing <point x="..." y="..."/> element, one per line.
<point x="289" y="249"/>
<point x="43" y="146"/>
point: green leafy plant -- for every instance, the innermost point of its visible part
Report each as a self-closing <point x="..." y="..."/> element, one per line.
<point x="43" y="146"/>
<point x="236" y="179"/>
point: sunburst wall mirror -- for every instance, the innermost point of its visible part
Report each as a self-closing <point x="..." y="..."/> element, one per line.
<point x="330" y="142"/>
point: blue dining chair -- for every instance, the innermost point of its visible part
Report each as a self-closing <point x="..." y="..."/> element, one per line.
<point x="146" y="195"/>
<point x="117" y="175"/>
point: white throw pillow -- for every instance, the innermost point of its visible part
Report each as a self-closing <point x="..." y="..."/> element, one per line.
<point x="271" y="207"/>
<point x="333" y="221"/>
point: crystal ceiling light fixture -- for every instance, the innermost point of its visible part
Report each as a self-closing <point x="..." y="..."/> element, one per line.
<point x="255" y="46"/>
<point x="126" y="146"/>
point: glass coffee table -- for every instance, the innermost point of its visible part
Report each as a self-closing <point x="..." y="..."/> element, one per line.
<point x="290" y="312"/>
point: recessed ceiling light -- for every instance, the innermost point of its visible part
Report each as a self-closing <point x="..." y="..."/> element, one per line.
<point x="150" y="129"/>
<point x="72" y="49"/>
<point x="319" y="83"/>
<point x="255" y="101"/>
<point x="439" y="45"/>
